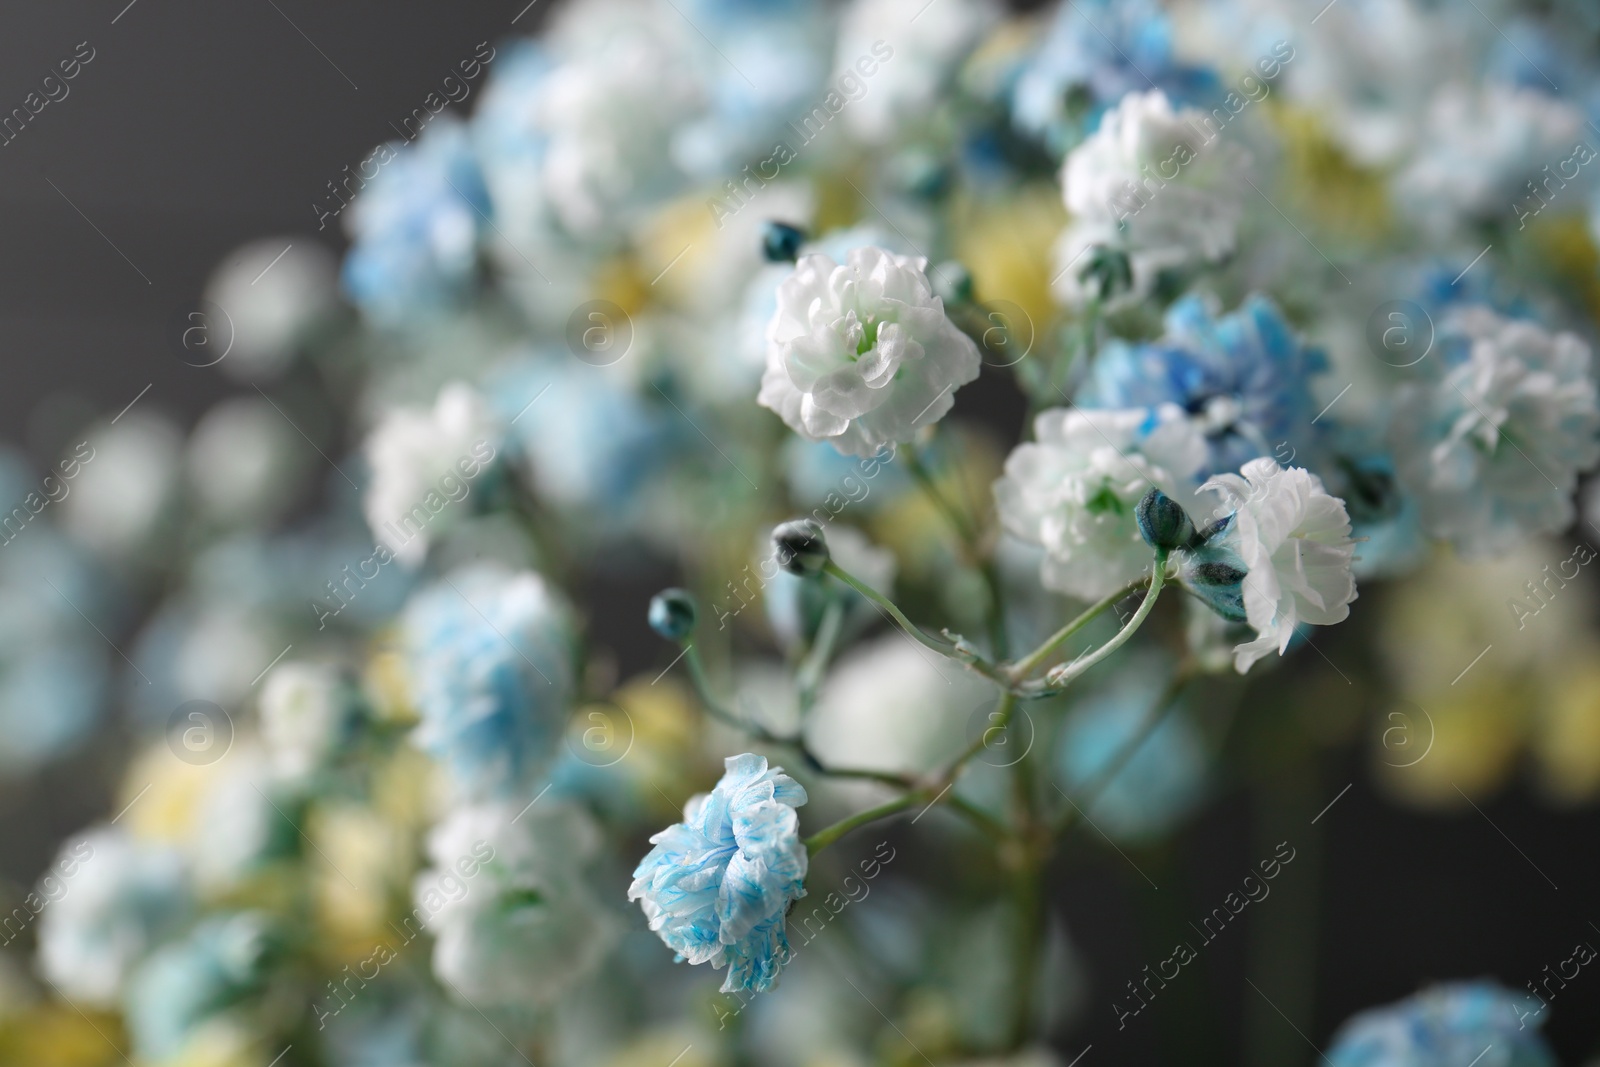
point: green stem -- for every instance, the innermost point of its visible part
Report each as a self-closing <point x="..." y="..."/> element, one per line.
<point x="1031" y="662"/>
<point x="938" y="644"/>
<point x="1158" y="577"/>
<point x="823" y="838"/>
<point x="760" y="733"/>
<point x="924" y="478"/>
<point x="809" y="676"/>
<point x="1028" y="896"/>
<point x="969" y="534"/>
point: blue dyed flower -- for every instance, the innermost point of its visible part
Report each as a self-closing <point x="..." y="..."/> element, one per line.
<point x="414" y="228"/>
<point x="1446" y="1026"/>
<point x="717" y="886"/>
<point x="188" y="981"/>
<point x="1163" y="780"/>
<point x="1095" y="53"/>
<point x="1245" y="377"/>
<point x="490" y="656"/>
<point x="591" y="443"/>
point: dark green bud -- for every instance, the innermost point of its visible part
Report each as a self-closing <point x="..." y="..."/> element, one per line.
<point x="780" y="242"/>
<point x="672" y="614"/>
<point x="1163" y="523"/>
<point x="800" y="546"/>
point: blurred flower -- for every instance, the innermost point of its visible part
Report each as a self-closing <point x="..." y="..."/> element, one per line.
<point x="124" y="495"/>
<point x="1163" y="780"/>
<point x="1094" y="53"/>
<point x="514" y="920"/>
<point x="244" y="462"/>
<point x="1446" y="1025"/>
<point x="1481" y="147"/>
<point x="1244" y="378"/>
<point x="309" y="711"/>
<point x="887" y="706"/>
<point x="1074" y="489"/>
<point x="1148" y="185"/>
<point x="919" y="47"/>
<point x="1493" y="446"/>
<point x="422" y="463"/>
<point x="273" y="292"/>
<point x="717" y="887"/>
<point x="53" y="667"/>
<point x="124" y="898"/>
<point x="861" y="353"/>
<point x="1294" y="540"/>
<point x="414" y="227"/>
<point x="490" y="653"/>
<point x="186" y="982"/>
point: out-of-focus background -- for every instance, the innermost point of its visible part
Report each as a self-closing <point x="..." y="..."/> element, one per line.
<point x="199" y="126"/>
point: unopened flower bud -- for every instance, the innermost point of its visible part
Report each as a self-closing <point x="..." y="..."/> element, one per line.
<point x="800" y="546"/>
<point x="672" y="614"/>
<point x="780" y="242"/>
<point x="1163" y="523"/>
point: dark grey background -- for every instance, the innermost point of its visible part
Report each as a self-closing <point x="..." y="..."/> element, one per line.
<point x="202" y="124"/>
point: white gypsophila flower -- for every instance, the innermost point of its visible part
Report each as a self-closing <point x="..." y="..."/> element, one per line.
<point x="243" y="462"/>
<point x="1074" y="487"/>
<point x="888" y="707"/>
<point x="917" y="47"/>
<point x="1481" y="146"/>
<point x="307" y="711"/>
<point x="423" y="461"/>
<point x="861" y="353"/>
<point x="120" y="897"/>
<point x="270" y="292"/>
<point x="124" y="494"/>
<point x="1493" y="449"/>
<point x="513" y="918"/>
<point x="1155" y="184"/>
<point x="1294" y="540"/>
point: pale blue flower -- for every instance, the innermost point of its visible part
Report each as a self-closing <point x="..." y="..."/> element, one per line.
<point x="1095" y="53"/>
<point x="592" y="444"/>
<point x="1450" y="1025"/>
<point x="490" y="655"/>
<point x="185" y="982"/>
<point x="717" y="887"/>
<point x="1164" y="779"/>
<point x="414" y="228"/>
<point x="1244" y="376"/>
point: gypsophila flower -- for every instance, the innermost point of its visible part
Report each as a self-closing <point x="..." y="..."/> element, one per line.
<point x="1459" y="1023"/>
<point x="861" y="353"/>
<point x="1294" y="541"/>
<point x="490" y="655"/>
<point x="1244" y="378"/>
<point x="423" y="462"/>
<point x="1154" y="185"/>
<point x="513" y="919"/>
<point x="187" y="981"/>
<point x="1074" y="490"/>
<point x="1493" y="448"/>
<point x="122" y="897"/>
<point x="717" y="887"/>
<point x="918" y="46"/>
<point x="308" y="712"/>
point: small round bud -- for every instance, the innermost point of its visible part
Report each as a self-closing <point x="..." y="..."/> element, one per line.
<point x="672" y="614"/>
<point x="1163" y="523"/>
<point x="1109" y="270"/>
<point x="800" y="546"/>
<point x="780" y="242"/>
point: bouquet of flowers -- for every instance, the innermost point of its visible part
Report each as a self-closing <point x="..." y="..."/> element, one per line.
<point x="1047" y="385"/>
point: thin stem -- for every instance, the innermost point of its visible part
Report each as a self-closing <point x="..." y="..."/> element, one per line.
<point x="969" y="534"/>
<point x="809" y="676"/>
<point x="760" y="733"/>
<point x="823" y="838"/>
<point x="1029" y="663"/>
<point x="938" y="644"/>
<point x="1158" y="577"/>
<point x="1164" y="705"/>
